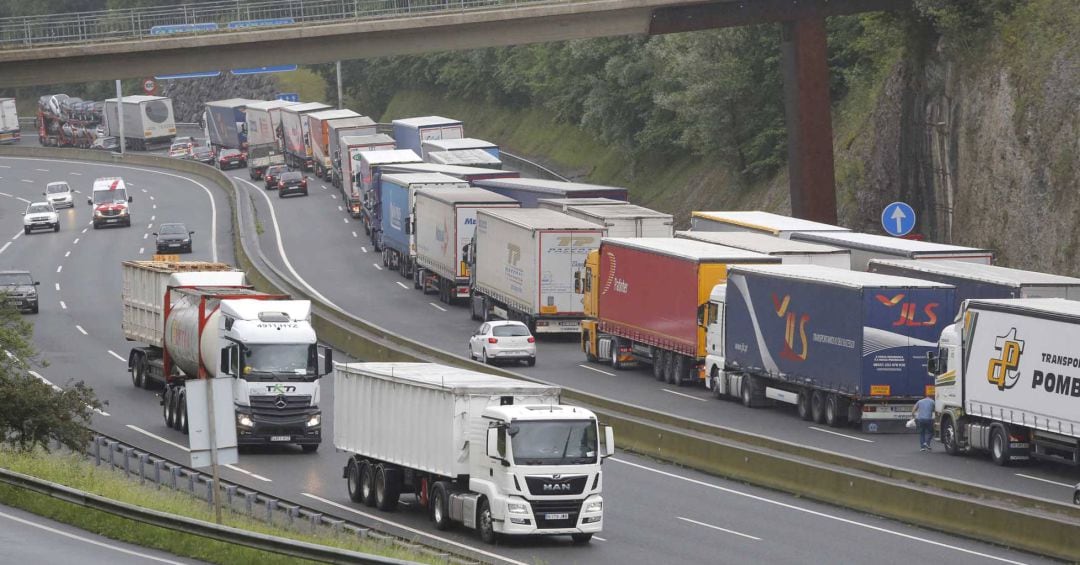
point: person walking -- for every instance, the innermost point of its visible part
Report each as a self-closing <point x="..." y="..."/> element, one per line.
<point x="924" y="420"/>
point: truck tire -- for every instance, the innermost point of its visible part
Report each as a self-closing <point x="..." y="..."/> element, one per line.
<point x="683" y="367"/>
<point x="352" y="481"/>
<point x="803" y="405"/>
<point x="835" y="410"/>
<point x="167" y="411"/>
<point x="949" y="437"/>
<point x="999" y="446"/>
<point x="817" y="407"/>
<point x="485" y="524"/>
<point x="657" y="364"/>
<point x="367" y="484"/>
<point x="615" y="363"/>
<point x="746" y="391"/>
<point x="581" y="538"/>
<point x="472" y="307"/>
<point x="181" y="413"/>
<point x="387" y="488"/>
<point x="440" y="505"/>
<point x="714" y="384"/>
<point x="670" y="366"/>
<point x="138" y="374"/>
<point x="417" y="276"/>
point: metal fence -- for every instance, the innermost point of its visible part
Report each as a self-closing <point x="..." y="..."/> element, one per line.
<point x="218" y="16"/>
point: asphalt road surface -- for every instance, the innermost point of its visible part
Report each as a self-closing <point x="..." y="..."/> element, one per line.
<point x="655" y="512"/>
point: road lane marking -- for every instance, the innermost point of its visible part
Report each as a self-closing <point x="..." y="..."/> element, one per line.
<point x="323" y="186"/>
<point x="340" y="209"/>
<point x="401" y="284"/>
<point x="718" y="528"/>
<point x="144" y="190"/>
<point x="76" y="174"/>
<point x="59" y="268"/>
<point x="1066" y="485"/>
<point x="815" y="512"/>
<point x="67" y="254"/>
<point x="23" y="199"/>
<point x="437" y="306"/>
<point x="4" y="248"/>
<point x="377" y="266"/>
<point x="76" y="242"/>
<point x="685" y="395"/>
<point x="62" y="305"/>
<point x="5" y="166"/>
<point x="42" y="170"/>
<point x="4" y="193"/>
<point x="597" y="370"/>
<point x="364" y="249"/>
<point x="57" y="287"/>
<point x="38" y="376"/>
<point x="142" y="250"/>
<point x="248" y="473"/>
<point x="151" y="198"/>
<point x="334" y="196"/>
<point x="27" y="180"/>
<point x="145" y="235"/>
<point x="598" y="538"/>
<point x="157" y="437"/>
<point x="346" y="220"/>
<point x="413" y="530"/>
<point x="78" y="327"/>
<point x="150" y="226"/>
<point x="70" y="535"/>
<point x="114" y="354"/>
<point x="817" y="429"/>
<point x="152" y="218"/>
<point x="354" y="234"/>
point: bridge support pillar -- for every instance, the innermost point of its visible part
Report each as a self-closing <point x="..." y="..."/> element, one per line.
<point x="809" y="120"/>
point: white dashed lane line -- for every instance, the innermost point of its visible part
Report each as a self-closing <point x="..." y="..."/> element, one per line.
<point x="334" y="196"/>
<point x="59" y="268"/>
<point x="340" y="209"/>
<point x="364" y="249"/>
<point x="82" y="331"/>
<point x="62" y="305"/>
<point x="142" y="250"/>
<point x="42" y="170"/>
<point x="684" y="395"/>
<point x="346" y="220"/>
<point x="57" y="287"/>
<point x="354" y="234"/>
<point x="402" y="285"/>
<point x="4" y="248"/>
<point x="16" y="236"/>
<point x="437" y="306"/>
<point x="76" y="242"/>
<point x="377" y="266"/>
<point x="75" y="174"/>
<point x="114" y="354"/>
<point x="67" y="254"/>
<point x="27" y="180"/>
<point x="145" y="235"/>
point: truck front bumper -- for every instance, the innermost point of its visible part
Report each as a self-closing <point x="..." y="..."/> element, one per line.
<point x="269" y="429"/>
<point x="548" y="518"/>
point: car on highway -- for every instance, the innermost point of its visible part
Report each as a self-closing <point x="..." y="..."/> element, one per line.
<point x="272" y="174"/>
<point x="20" y="290"/>
<point x="180" y="150"/>
<point x="60" y="195"/>
<point x="292" y="182"/>
<point x="202" y="155"/>
<point x="40" y="215"/>
<point x="503" y="340"/>
<point x="173" y="237"/>
<point x="106" y="143"/>
<point x="184" y="139"/>
<point x="231" y="159"/>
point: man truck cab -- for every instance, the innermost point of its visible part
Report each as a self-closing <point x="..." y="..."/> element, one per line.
<point x="110" y="201"/>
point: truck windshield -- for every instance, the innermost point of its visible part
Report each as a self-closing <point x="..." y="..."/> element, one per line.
<point x="270" y="361"/>
<point x="554" y="442"/>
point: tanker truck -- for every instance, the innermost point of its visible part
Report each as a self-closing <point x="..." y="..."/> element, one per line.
<point x="199" y="320"/>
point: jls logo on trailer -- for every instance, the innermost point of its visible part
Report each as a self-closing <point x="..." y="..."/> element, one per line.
<point x="908" y="311"/>
<point x="1002" y="369"/>
<point x="780" y="306"/>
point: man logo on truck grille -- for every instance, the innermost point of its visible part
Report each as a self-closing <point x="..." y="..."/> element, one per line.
<point x="1002" y="370"/>
<point x="781" y="307"/>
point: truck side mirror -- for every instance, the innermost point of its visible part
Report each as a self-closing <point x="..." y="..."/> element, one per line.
<point x="608" y="449"/>
<point x="89" y="201"/>
<point x="328" y="360"/>
<point x="701" y="314"/>
<point x="577" y="282"/>
<point x="931" y="363"/>
<point x="131" y="199"/>
<point x="226" y="360"/>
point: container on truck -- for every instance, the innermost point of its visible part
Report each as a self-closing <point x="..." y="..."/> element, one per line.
<point x="757" y="221"/>
<point x="530" y="191"/>
<point x="468" y="174"/>
<point x="464" y="158"/>
<point x="790" y="252"/>
<point x="842" y="346"/>
<point x="345" y="170"/>
<point x="264" y="136"/>
<point x="226" y="124"/>
<point x="397" y="231"/>
<point x="865" y="246"/>
<point x="560" y="204"/>
<point x="460" y="144"/>
<point x="199" y="320"/>
<point x="319" y="126"/>
<point x="445" y="220"/>
<point x="1007" y="380"/>
<point x="411" y="133"/>
<point x="339" y="131"/>
<point x="627" y="220"/>
<point x="523" y="264"/>
<point x="978" y="281"/>
<point x="497" y="455"/>
<point x="644" y="299"/>
<point x="367" y="178"/>
<point x="9" y="121"/>
<point x="148" y="121"/>
<point x="298" y="135"/>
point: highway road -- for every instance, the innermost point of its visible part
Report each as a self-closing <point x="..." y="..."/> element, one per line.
<point x="29" y="538"/>
<point x="656" y="512"/>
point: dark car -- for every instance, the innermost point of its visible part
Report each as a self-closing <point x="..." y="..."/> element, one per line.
<point x="273" y="172"/>
<point x="107" y="143"/>
<point x="231" y="159"/>
<point x="174" y="238"/>
<point x="20" y="290"/>
<point x="202" y="155"/>
<point x="292" y="182"/>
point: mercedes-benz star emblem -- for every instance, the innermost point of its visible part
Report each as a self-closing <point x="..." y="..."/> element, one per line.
<point x="281" y="402"/>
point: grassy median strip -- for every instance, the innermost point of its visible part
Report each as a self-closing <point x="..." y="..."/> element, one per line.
<point x="77" y="472"/>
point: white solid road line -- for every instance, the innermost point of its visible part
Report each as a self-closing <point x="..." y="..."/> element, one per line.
<point x="114" y="354"/>
<point x="4" y="248"/>
<point x="4" y="193"/>
<point x="596" y="370"/>
<point x="413" y="530"/>
<point x="437" y="306"/>
<point x="402" y="285"/>
<point x="17" y="235"/>
<point x="23" y="199"/>
<point x="248" y="473"/>
<point x="725" y="530"/>
<point x="816" y="513"/>
<point x="153" y="206"/>
<point x="685" y="395"/>
<point x="377" y="266"/>
<point x="88" y="540"/>
<point x="62" y="305"/>
<point x="1066" y="485"/>
<point x="159" y="438"/>
<point x="817" y="429"/>
<point x="38" y="376"/>
<point x="78" y="327"/>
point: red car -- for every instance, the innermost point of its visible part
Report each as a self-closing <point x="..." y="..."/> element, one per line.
<point x="232" y="158"/>
<point x="273" y="173"/>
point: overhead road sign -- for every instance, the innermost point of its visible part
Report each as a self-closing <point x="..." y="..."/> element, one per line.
<point x="898" y="219"/>
<point x="204" y="74"/>
<point x="259" y="70"/>
<point x="182" y="28"/>
<point x="260" y="23"/>
<point x="289" y="96"/>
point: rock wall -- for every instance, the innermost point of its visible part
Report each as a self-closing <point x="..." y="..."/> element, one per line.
<point x="189" y="95"/>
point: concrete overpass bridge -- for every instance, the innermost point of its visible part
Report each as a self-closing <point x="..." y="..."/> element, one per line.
<point x="421" y="27"/>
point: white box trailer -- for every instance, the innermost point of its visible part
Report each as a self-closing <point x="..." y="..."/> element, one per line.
<point x="523" y="263"/>
<point x="626" y="220"/>
<point x="1008" y="380"/>
<point x="560" y="204"/>
<point x="9" y="121"/>
<point x="865" y="246"/>
<point x="265" y="137"/>
<point x="459" y="439"/>
<point x="148" y="121"/>
<point x="790" y="252"/>
<point x="756" y="221"/>
<point x="346" y="168"/>
<point x="297" y="132"/>
<point x="444" y="220"/>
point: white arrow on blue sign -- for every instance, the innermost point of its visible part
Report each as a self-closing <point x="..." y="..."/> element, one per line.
<point x="898" y="219"/>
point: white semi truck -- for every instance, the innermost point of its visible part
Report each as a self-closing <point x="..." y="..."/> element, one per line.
<point x="265" y="136"/>
<point x="1007" y="378"/>
<point x="790" y="252"/>
<point x="497" y="455"/>
<point x="626" y="220"/>
<point x="148" y="121"/>
<point x="200" y="320"/>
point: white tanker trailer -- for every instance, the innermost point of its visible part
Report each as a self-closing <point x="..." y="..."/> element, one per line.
<point x="201" y="320"/>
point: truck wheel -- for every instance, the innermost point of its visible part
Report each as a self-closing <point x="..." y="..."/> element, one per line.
<point x="683" y="368"/>
<point x="367" y="484"/>
<point x="387" y="488"/>
<point x="485" y="523"/>
<point x="804" y="405"/>
<point x="835" y="410"/>
<point x="167" y="407"/>
<point x="418" y="273"/>
<point x="746" y="391"/>
<point x="817" y="407"/>
<point x="181" y="413"/>
<point x="671" y="366"/>
<point x="352" y="482"/>
<point x="999" y="446"/>
<point x="714" y="384"/>
<point x="581" y="538"/>
<point x="948" y="436"/>
<point x="587" y="345"/>
<point x="615" y="364"/>
<point x="440" y="506"/>
<point x="657" y="364"/>
<point x="138" y="378"/>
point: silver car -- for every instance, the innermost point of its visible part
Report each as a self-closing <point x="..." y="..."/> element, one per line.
<point x="503" y="341"/>
<point x="60" y="195"/>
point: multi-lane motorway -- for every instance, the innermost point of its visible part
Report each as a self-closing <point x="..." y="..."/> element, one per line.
<point x="655" y="512"/>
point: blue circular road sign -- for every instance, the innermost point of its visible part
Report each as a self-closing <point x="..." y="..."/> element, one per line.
<point x="898" y="219"/>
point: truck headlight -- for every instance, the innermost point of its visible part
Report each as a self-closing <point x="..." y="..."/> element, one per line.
<point x="314" y="420"/>
<point x="517" y="507"/>
<point x="244" y="421"/>
<point x="123" y="211"/>
<point x="595" y="506"/>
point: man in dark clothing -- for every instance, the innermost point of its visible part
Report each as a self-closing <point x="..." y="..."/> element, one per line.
<point x="924" y="420"/>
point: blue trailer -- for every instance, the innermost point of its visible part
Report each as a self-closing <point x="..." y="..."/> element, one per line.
<point x="226" y="123"/>
<point x="530" y="191"/>
<point x="396" y="238"/>
<point x="843" y="346"/>
<point x="411" y="133"/>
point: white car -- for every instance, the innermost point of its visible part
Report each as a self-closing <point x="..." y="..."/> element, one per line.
<point x="60" y="195"/>
<point x="503" y="340"/>
<point x="40" y="215"/>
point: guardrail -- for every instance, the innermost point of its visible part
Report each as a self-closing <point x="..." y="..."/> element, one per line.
<point x="1029" y="523"/>
<point x="221" y="16"/>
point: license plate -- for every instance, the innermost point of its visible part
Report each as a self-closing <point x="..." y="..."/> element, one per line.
<point x="557" y="516"/>
<point x="280" y="438"/>
<point x="174" y="245"/>
<point x="112" y="220"/>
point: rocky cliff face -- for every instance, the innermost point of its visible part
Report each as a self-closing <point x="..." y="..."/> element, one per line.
<point x="189" y="95"/>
